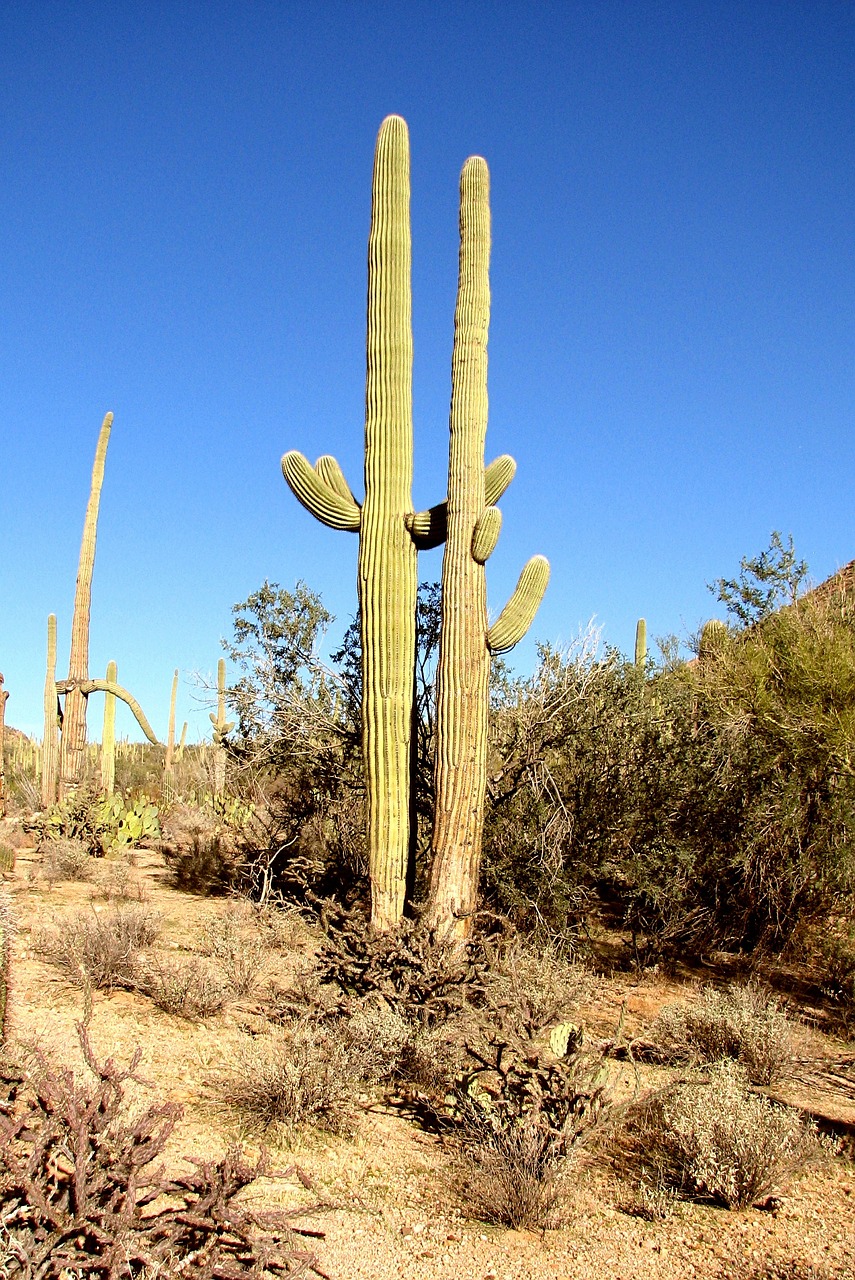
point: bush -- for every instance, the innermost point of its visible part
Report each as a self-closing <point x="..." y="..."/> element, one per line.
<point x="302" y="1075"/>
<point x="100" y="948"/>
<point x="81" y="1194"/>
<point x="509" y="1174"/>
<point x="714" y="1139"/>
<point x="65" y="858"/>
<point x="187" y="988"/>
<point x="235" y="945"/>
<point x="742" y="1023"/>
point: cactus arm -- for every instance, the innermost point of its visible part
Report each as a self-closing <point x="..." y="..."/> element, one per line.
<point x="486" y="534"/>
<point x="110" y="686"/>
<point x="317" y="496"/>
<point x="50" y="744"/>
<point x="429" y="528"/>
<point x="518" y="614"/>
<point x="328" y="469"/>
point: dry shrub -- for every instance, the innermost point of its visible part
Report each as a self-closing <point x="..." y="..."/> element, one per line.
<point x="234" y="943"/>
<point x="81" y="1194"/>
<point x="528" y="989"/>
<point x="742" y="1023"/>
<point x="714" y="1139"/>
<point x="509" y="1173"/>
<point x="201" y="856"/>
<point x="305" y="1074"/>
<point x="188" y="988"/>
<point x="116" y="883"/>
<point x="65" y="858"/>
<point x="100" y="948"/>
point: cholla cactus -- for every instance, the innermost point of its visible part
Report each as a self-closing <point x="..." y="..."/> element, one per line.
<point x="472" y="531"/>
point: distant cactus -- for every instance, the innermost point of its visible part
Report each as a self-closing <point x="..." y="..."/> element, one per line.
<point x="108" y="735"/>
<point x="53" y="714"/>
<point x="641" y="644"/>
<point x="3" y="696"/>
<point x="222" y="728"/>
<point x="713" y="634"/>
<point x="168" y="783"/>
<point x="467" y="641"/>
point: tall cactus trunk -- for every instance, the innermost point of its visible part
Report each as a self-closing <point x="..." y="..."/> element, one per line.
<point x="387" y="573"/>
<point x="463" y="673"/>
<point x="73" y="740"/>
<point x="221" y="728"/>
<point x="108" y="735"/>
<point x="168" y="786"/>
<point x="50" y="745"/>
<point x="3" y="696"/>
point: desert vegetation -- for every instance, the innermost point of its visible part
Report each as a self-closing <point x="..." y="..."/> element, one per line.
<point x="467" y="951"/>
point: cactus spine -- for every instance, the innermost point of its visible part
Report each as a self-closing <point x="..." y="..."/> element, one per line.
<point x="641" y="644"/>
<point x="168" y="769"/>
<point x="466" y="642"/>
<point x="50" y="745"/>
<point x="108" y="735"/>
<point x="387" y="576"/>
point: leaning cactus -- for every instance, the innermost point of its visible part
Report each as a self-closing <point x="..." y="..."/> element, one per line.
<point x="108" y="735"/>
<point x="387" y="551"/>
<point x="222" y="727"/>
<point x="472" y="531"/>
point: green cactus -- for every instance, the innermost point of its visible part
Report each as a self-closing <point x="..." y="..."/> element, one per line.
<point x="3" y="696"/>
<point x="108" y="735"/>
<point x="168" y="782"/>
<point x="641" y="644"/>
<point x="222" y="727"/>
<point x="713" y="635"/>
<point x="386" y="572"/>
<point x="467" y="642"/>
<point x="53" y="716"/>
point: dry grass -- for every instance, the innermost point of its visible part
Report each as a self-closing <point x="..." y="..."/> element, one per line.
<point x="743" y="1023"/>
<point x="188" y="988"/>
<point x="99" y="948"/>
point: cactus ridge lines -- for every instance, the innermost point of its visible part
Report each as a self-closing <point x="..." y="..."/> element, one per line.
<point x="518" y="614"/>
<point x="317" y="496"/>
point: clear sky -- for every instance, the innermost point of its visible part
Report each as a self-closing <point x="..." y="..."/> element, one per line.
<point x="184" y="206"/>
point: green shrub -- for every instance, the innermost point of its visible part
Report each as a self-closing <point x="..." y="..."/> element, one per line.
<point x="743" y="1023"/>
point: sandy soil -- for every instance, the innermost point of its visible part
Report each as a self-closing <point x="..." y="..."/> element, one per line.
<point x="394" y="1213"/>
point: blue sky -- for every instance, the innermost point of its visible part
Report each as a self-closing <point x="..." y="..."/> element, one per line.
<point x="184" y="202"/>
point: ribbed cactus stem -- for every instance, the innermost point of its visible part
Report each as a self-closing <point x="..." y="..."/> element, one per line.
<point x="221" y="728"/>
<point x="3" y="696"/>
<point x="713" y="636"/>
<point x="50" y="744"/>
<point x="641" y="644"/>
<point x="108" y="735"/>
<point x="386" y="570"/>
<point x="73" y="741"/>
<point x="179" y="752"/>
<point x="464" y="656"/>
<point x="168" y="783"/>
<point x="466" y="641"/>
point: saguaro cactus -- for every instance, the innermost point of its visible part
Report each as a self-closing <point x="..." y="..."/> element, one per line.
<point x="50" y="744"/>
<point x="222" y="726"/>
<point x="168" y="785"/>
<point x="73" y="741"/>
<point x="466" y="642"/>
<point x="108" y="735"/>
<point x="641" y="644"/>
<point x="387" y="578"/>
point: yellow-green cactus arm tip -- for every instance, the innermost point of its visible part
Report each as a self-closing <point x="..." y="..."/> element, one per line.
<point x="325" y="504"/>
<point x="331" y="473"/>
<point x="486" y="534"/>
<point x="497" y="477"/>
<point x="518" y="614"/>
<point x="428" y="528"/>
